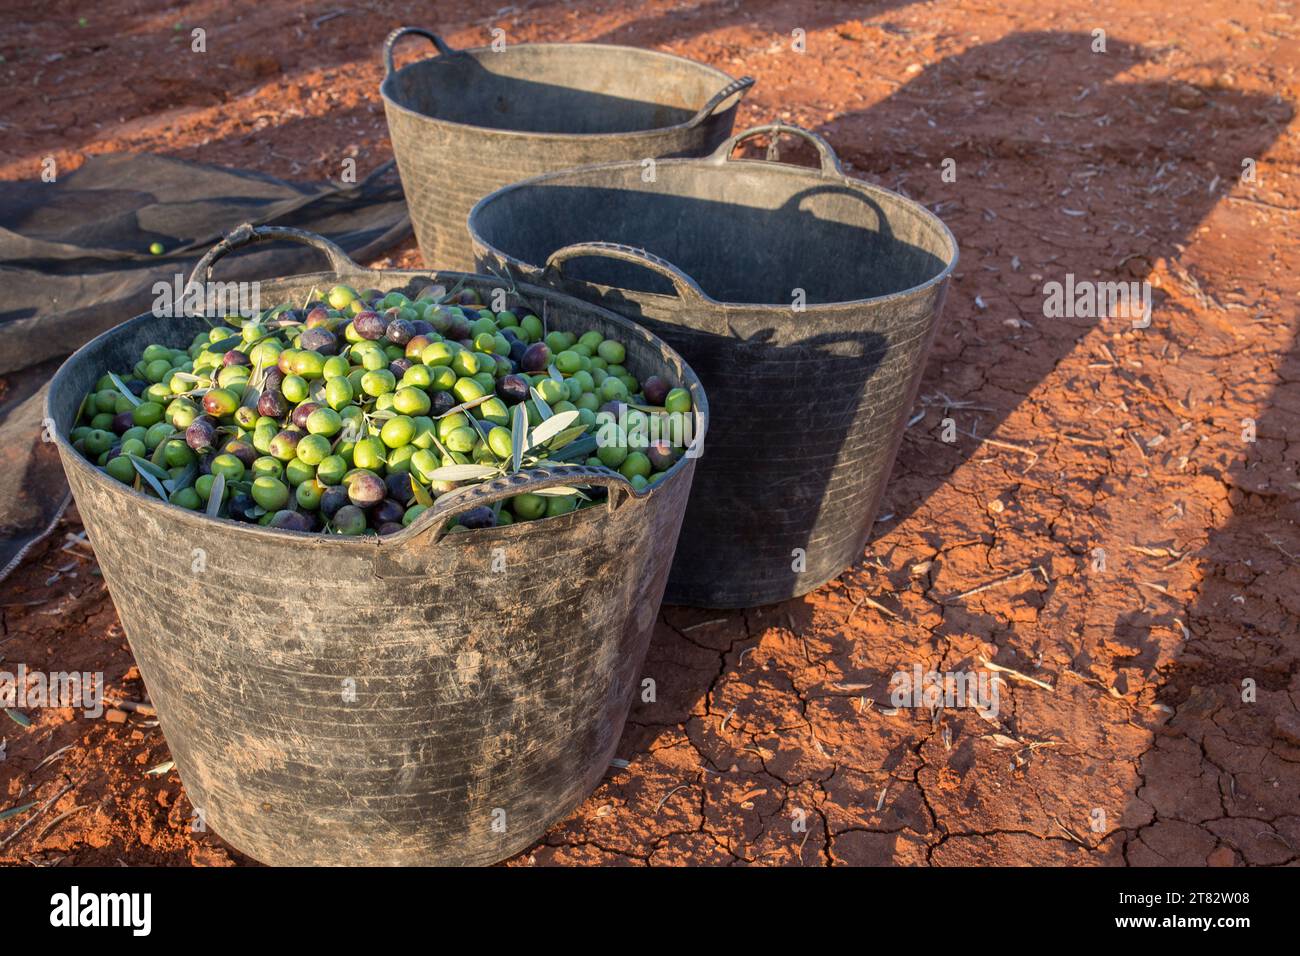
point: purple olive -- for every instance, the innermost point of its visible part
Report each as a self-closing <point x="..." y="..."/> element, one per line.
<point x="399" y="488"/>
<point x="303" y="411"/>
<point x="274" y="378"/>
<point x="319" y="340"/>
<point x="399" y="366"/>
<point x="458" y="329"/>
<point x="370" y="325"/>
<point x="443" y="402"/>
<point x="235" y="357"/>
<point x="537" y="358"/>
<point x="272" y="404"/>
<point x="480" y="517"/>
<point x="512" y="389"/>
<point x="662" y="455"/>
<point x="399" y="332"/>
<point x="122" y="421"/>
<point x="332" y="499"/>
<point x="240" y="506"/>
<point x="416" y="345"/>
<point x="365" y="490"/>
<point x="291" y="521"/>
<point x="655" y="389"/>
<point x="388" y="511"/>
<point x="201" y="434"/>
<point x="318" y="317"/>
<point x="422" y="327"/>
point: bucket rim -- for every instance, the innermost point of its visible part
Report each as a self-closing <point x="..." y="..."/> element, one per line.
<point x="937" y="225"/>
<point x="409" y="535"/>
<point x="537" y="137"/>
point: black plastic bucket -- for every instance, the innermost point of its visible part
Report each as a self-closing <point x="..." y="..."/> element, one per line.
<point x="412" y="699"/>
<point x="805" y="299"/>
<point x="466" y="122"/>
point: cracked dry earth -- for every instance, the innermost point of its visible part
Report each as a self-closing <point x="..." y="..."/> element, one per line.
<point x="1100" y="528"/>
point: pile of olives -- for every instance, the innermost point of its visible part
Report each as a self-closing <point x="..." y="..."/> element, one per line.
<point x="352" y="414"/>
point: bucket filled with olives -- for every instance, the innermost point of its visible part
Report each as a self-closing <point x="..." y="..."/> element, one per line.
<point x="388" y="550"/>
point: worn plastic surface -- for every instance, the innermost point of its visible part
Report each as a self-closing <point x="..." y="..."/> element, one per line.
<point x="465" y="122"/>
<point x="808" y="406"/>
<point x="417" y="699"/>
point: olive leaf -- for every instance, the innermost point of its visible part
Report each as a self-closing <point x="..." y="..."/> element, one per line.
<point x="448" y="293"/>
<point x="224" y="345"/>
<point x="18" y="717"/>
<point x="554" y="372"/>
<point x="553" y="425"/>
<point x="558" y="491"/>
<point x="159" y="453"/>
<point x="566" y="436"/>
<point x="215" y="496"/>
<point x="422" y="496"/>
<point x="121" y="387"/>
<point x="518" y="435"/>
<point x="579" y="450"/>
<point x="543" y="410"/>
<point x="14" y="811"/>
<point x="462" y="473"/>
<point x="184" y="479"/>
<point x="463" y="406"/>
<point x="146" y="470"/>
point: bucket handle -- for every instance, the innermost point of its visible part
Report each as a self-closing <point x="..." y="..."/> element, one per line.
<point x="830" y="163"/>
<point x="435" y="519"/>
<point x="442" y="45"/>
<point x="247" y="233"/>
<point x="688" y="290"/>
<point x="727" y="92"/>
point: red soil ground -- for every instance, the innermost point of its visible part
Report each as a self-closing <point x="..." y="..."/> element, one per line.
<point x="773" y="739"/>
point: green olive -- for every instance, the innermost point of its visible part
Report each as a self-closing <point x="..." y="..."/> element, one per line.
<point x="611" y="351"/>
<point x="636" y="463"/>
<point x="121" y="469"/>
<point x="678" y="400"/>
<point x="500" y="441"/>
<point x="325" y="421"/>
<point x="397" y="431"/>
<point x="151" y="413"/>
<point x="411" y="401"/>
<point x="378" y="382"/>
<point x="270" y="493"/>
<point x="331" y="470"/>
<point x="228" y="465"/>
<point x="313" y="449"/>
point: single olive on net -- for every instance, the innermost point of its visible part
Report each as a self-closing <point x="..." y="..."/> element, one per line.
<point x="352" y="414"/>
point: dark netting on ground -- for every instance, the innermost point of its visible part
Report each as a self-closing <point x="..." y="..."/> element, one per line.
<point x="75" y="260"/>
